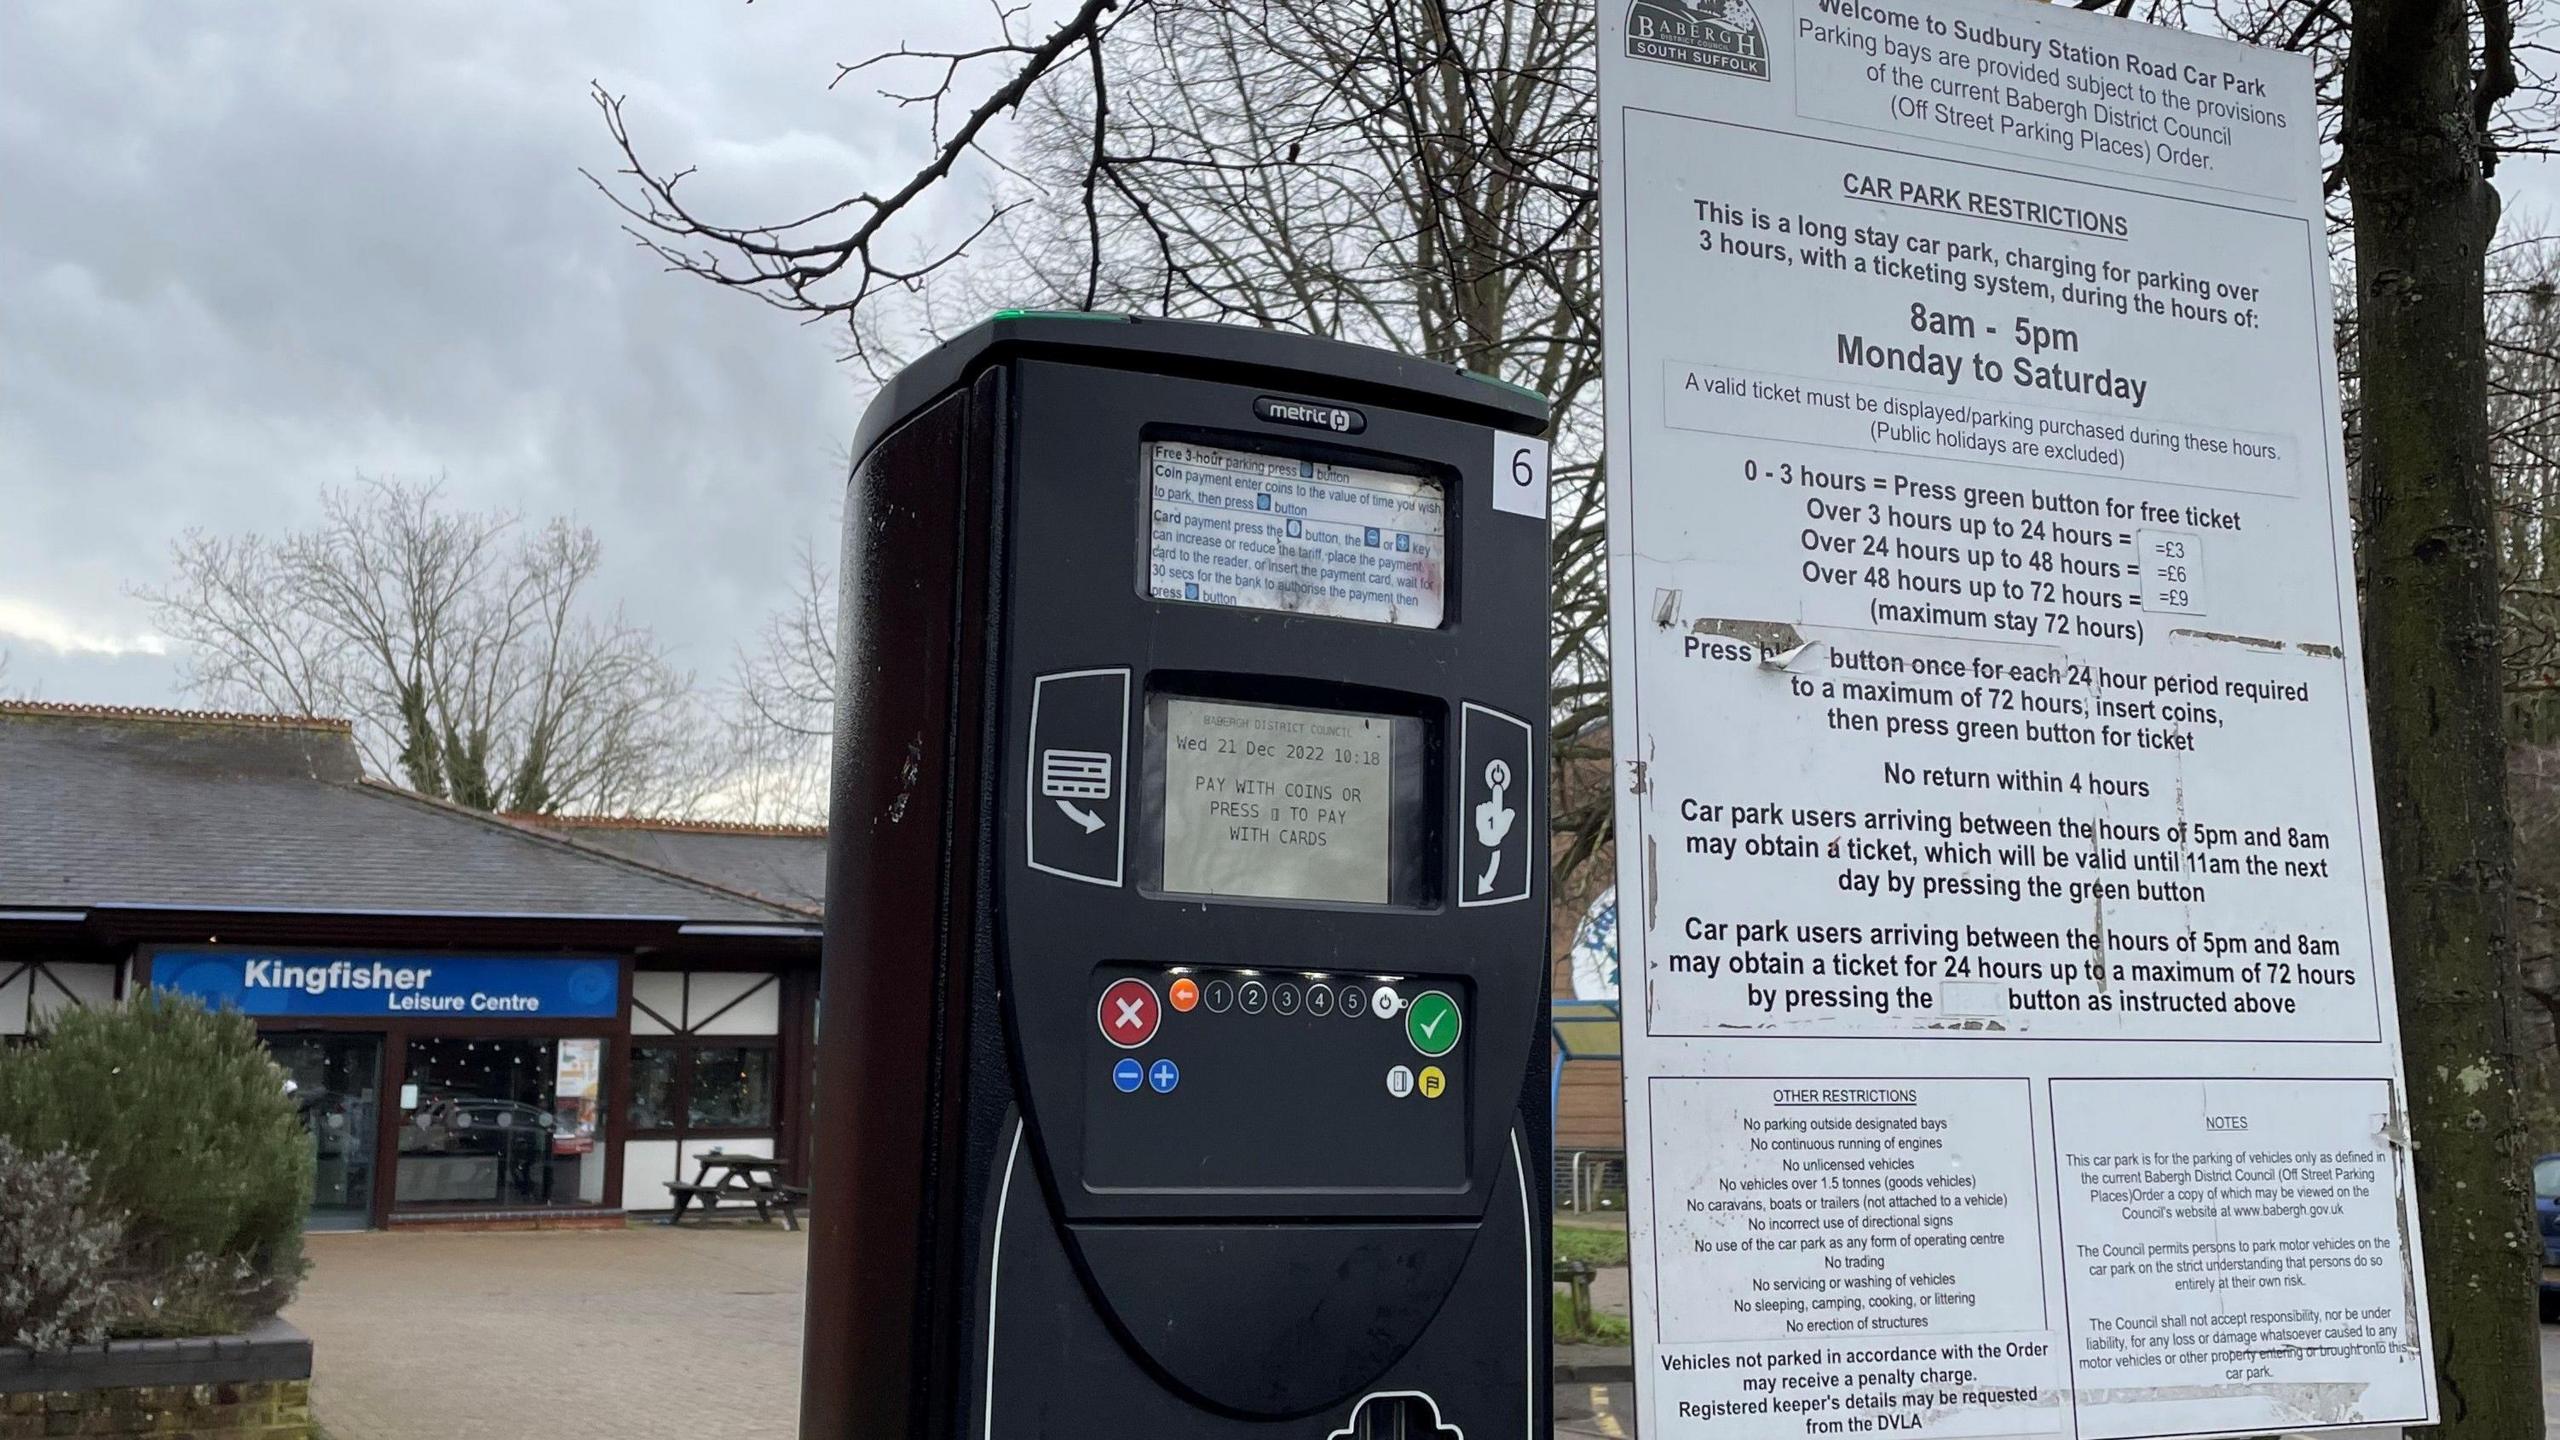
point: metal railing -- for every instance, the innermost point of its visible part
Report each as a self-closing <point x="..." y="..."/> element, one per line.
<point x="1581" y="1177"/>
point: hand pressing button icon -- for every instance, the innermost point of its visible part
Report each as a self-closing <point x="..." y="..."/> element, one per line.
<point x="1493" y="821"/>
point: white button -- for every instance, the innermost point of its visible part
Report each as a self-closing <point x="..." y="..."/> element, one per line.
<point x="1383" y="1002"/>
<point x="1400" y="1082"/>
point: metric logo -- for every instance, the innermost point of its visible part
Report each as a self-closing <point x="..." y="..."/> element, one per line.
<point x="1128" y="1013"/>
<point x="1340" y="419"/>
<point x="1431" y="1082"/>
<point x="1431" y="1023"/>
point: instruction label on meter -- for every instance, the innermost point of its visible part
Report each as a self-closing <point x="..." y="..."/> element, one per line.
<point x="1279" y="532"/>
<point x="1279" y="803"/>
<point x="2011" y="1047"/>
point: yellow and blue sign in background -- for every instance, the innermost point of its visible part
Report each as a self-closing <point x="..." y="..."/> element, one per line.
<point x="371" y="983"/>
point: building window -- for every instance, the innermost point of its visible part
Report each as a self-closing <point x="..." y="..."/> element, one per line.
<point x="494" y="1120"/>
<point x="653" y="1087"/>
<point x="732" y="1088"/>
<point x="713" y="1086"/>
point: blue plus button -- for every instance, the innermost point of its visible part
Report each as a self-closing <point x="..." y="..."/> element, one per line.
<point x="1164" y="1075"/>
<point x="1128" y="1075"/>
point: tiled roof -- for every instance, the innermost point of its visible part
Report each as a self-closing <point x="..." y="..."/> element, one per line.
<point x="670" y="827"/>
<point x="786" y="864"/>
<point x="102" y="807"/>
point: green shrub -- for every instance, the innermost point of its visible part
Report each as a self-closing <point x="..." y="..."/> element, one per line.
<point x="1604" y="1329"/>
<point x="55" y="1252"/>
<point x="189" y="1134"/>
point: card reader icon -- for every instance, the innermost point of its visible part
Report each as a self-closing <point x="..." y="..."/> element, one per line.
<point x="1067" y="776"/>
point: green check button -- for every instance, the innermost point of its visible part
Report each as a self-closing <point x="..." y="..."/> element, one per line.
<point x="1431" y="1022"/>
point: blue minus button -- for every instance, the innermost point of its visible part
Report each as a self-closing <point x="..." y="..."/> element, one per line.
<point x="1128" y="1075"/>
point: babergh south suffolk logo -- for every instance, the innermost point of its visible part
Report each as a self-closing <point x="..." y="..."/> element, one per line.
<point x="1719" y="35"/>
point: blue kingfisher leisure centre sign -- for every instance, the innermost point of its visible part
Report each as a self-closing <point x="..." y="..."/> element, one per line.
<point x="376" y="983"/>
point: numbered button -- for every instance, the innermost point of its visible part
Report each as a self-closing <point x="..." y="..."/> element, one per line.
<point x="1319" y="999"/>
<point x="1219" y="996"/>
<point x="1355" y="1001"/>
<point x="1284" y="999"/>
<point x="1252" y="996"/>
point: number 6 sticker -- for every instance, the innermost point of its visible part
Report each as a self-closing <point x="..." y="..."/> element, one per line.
<point x="1520" y="475"/>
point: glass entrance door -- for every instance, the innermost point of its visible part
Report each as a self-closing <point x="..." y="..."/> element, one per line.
<point x="337" y="1084"/>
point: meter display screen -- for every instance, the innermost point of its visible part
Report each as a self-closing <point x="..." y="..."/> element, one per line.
<point x="1277" y="532"/>
<point x="1280" y="803"/>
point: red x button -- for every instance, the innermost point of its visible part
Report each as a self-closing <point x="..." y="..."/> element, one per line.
<point x="1128" y="1014"/>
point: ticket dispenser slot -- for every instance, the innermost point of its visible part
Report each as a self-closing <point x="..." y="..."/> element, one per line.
<point x="1181" y="1064"/>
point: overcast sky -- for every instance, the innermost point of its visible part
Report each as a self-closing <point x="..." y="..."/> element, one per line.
<point x="246" y="250"/>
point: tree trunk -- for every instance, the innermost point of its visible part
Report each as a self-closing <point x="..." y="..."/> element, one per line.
<point x="2423" y="217"/>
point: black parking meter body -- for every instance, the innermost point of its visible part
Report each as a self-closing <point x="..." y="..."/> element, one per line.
<point x="1181" y="1059"/>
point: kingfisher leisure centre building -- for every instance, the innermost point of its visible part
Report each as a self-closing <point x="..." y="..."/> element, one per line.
<point x="485" y="1019"/>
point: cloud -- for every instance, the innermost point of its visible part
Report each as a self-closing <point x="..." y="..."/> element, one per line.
<point x="250" y="250"/>
<point x="61" y="634"/>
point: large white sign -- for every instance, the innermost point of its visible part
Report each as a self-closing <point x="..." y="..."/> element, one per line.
<point x="2010" y="1039"/>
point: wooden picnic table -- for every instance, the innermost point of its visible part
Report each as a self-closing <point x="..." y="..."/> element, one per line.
<point x="752" y="1178"/>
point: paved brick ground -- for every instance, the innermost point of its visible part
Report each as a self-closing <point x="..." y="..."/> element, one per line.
<point x="565" y="1335"/>
<point x="627" y="1335"/>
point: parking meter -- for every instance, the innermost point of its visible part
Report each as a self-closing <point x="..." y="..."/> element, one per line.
<point x="1180" y="1060"/>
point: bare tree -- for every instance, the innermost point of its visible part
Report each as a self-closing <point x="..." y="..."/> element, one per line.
<point x="465" y="647"/>
<point x="787" y="680"/>
<point x="1420" y="177"/>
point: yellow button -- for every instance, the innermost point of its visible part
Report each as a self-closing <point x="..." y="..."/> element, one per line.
<point x="1432" y="1082"/>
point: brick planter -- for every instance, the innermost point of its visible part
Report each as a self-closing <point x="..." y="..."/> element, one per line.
<point x="253" y="1385"/>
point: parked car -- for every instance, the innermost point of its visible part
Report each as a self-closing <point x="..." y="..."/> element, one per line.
<point x="2546" y="1218"/>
